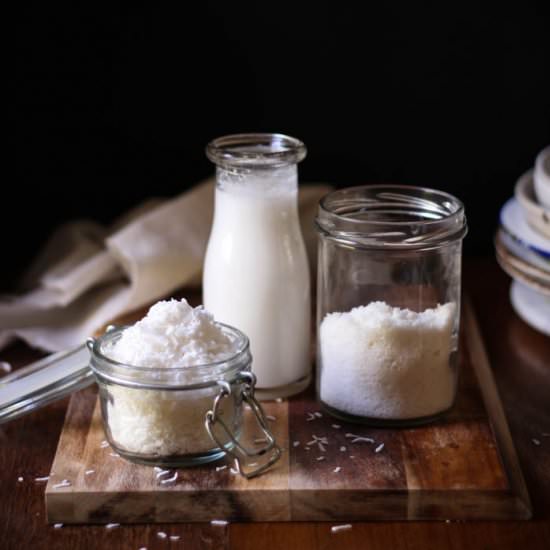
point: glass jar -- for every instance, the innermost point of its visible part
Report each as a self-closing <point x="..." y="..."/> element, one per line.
<point x="181" y="416"/>
<point x="256" y="272"/>
<point x="389" y="275"/>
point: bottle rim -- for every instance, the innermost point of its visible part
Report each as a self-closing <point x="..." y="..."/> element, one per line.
<point x="391" y="216"/>
<point x="255" y="150"/>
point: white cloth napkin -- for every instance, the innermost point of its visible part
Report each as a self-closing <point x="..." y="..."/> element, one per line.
<point x="87" y="274"/>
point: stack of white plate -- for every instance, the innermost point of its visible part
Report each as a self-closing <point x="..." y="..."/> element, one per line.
<point x="523" y="244"/>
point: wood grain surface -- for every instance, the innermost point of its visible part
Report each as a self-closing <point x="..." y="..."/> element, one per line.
<point x="451" y="469"/>
<point x="520" y="361"/>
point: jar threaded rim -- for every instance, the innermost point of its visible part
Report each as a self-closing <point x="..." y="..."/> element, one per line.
<point x="391" y="216"/>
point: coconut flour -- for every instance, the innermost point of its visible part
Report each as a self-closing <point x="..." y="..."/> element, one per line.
<point x="384" y="362"/>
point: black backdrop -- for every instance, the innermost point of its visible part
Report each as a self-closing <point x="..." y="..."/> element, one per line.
<point x="115" y="105"/>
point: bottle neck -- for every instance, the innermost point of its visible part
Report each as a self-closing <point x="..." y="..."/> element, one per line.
<point x="259" y="182"/>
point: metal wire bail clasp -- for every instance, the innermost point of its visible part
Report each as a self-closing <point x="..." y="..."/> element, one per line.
<point x="233" y="447"/>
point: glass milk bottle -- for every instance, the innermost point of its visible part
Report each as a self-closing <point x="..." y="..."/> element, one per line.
<point x="256" y="273"/>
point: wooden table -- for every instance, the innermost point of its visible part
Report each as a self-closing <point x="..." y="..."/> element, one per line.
<point x="520" y="358"/>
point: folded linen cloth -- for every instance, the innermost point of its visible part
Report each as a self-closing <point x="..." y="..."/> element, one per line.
<point x="87" y="275"/>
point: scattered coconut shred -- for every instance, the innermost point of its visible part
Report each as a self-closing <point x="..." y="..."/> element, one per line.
<point x="163" y="423"/>
<point x="171" y="479"/>
<point x="62" y="484"/>
<point x="339" y="528"/>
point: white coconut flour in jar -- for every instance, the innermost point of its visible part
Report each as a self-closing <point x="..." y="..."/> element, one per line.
<point x="380" y="361"/>
<point x="158" y="422"/>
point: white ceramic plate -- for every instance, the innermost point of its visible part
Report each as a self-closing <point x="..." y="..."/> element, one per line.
<point x="542" y="177"/>
<point x="536" y="215"/>
<point x="513" y="222"/>
<point x="532" y="307"/>
<point x="537" y="285"/>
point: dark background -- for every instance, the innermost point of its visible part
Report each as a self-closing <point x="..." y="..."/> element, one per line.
<point x="116" y="105"/>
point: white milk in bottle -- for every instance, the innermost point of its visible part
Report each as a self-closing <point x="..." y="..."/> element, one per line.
<point x="256" y="274"/>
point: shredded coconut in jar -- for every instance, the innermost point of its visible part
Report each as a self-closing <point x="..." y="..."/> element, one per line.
<point x="380" y="361"/>
<point x="163" y="423"/>
<point x="173" y="334"/>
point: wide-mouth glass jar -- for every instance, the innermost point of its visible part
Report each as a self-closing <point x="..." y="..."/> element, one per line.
<point x="181" y="416"/>
<point x="388" y="303"/>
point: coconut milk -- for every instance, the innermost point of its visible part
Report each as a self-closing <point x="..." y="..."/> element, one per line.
<point x="256" y="275"/>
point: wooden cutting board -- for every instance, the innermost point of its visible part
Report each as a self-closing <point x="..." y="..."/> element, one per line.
<point x="462" y="467"/>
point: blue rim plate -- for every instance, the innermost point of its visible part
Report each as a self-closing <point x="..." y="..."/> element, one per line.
<point x="514" y="223"/>
<point x="524" y="253"/>
<point x="527" y="262"/>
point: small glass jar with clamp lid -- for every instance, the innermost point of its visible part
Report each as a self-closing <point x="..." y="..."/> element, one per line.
<point x="180" y="416"/>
